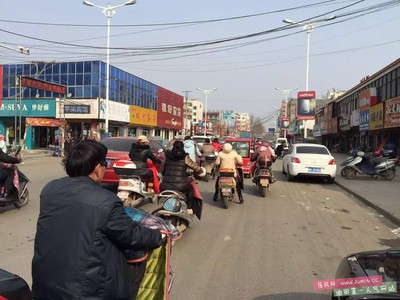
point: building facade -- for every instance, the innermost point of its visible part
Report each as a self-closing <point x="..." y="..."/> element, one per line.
<point x="136" y="106"/>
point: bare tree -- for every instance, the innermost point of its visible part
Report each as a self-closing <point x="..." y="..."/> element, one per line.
<point x="256" y="126"/>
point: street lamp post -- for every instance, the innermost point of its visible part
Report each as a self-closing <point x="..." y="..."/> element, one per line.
<point x="286" y="92"/>
<point x="205" y="115"/>
<point x="308" y="27"/>
<point x="109" y="12"/>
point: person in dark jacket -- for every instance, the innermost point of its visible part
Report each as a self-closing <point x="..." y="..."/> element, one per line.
<point x="7" y="173"/>
<point x="140" y="152"/>
<point x="84" y="235"/>
<point x="174" y="171"/>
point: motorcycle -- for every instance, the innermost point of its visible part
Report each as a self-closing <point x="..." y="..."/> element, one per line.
<point x="262" y="176"/>
<point x="20" y="182"/>
<point x="131" y="189"/>
<point x="361" y="163"/>
<point x="227" y="185"/>
<point x="209" y="164"/>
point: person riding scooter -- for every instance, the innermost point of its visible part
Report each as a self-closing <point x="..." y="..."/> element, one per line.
<point x="175" y="176"/>
<point x="7" y="174"/>
<point x="263" y="153"/>
<point x="139" y="153"/>
<point x="228" y="158"/>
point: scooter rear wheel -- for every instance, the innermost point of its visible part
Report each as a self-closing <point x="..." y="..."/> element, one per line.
<point x="350" y="173"/>
<point x="263" y="190"/>
<point x="389" y="174"/>
<point x="23" y="199"/>
<point x="225" y="200"/>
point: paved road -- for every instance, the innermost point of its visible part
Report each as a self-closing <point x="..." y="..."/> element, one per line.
<point x="382" y="195"/>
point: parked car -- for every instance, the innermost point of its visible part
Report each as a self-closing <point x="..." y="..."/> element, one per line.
<point x="312" y="160"/>
<point x="242" y="147"/>
<point x="118" y="148"/>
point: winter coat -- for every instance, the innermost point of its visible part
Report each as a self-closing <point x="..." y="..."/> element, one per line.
<point x="139" y="155"/>
<point x="191" y="149"/>
<point x="228" y="158"/>
<point x="82" y="233"/>
<point x="5" y="158"/>
<point x="207" y="148"/>
<point x="217" y="146"/>
<point x="174" y="171"/>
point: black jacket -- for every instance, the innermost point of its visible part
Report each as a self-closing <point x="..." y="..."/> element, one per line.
<point x="82" y="231"/>
<point x="174" y="171"/>
<point x="139" y="154"/>
<point x="5" y="158"/>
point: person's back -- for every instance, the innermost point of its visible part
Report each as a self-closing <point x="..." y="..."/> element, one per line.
<point x="82" y="232"/>
<point x="191" y="148"/>
<point x="207" y="148"/>
<point x="216" y="144"/>
<point x="228" y="158"/>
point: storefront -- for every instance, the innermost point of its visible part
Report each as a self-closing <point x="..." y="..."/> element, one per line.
<point x="13" y="116"/>
<point x="169" y="113"/>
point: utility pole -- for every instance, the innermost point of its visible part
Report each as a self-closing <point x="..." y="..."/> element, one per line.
<point x="185" y="113"/>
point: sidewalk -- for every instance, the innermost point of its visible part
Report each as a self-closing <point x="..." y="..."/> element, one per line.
<point x="380" y="194"/>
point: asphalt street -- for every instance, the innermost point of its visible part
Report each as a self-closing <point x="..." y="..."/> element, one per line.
<point x="377" y="193"/>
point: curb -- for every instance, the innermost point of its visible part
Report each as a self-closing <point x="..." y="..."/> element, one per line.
<point x="380" y="210"/>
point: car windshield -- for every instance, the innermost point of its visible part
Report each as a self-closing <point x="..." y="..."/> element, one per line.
<point x="312" y="150"/>
<point x="118" y="144"/>
<point x="200" y="140"/>
<point x="242" y="148"/>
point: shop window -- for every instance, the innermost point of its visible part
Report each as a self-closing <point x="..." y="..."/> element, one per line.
<point x="71" y="68"/>
<point x="79" y="79"/>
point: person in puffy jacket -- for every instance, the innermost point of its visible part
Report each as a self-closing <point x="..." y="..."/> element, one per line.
<point x="174" y="170"/>
<point x="140" y="152"/>
<point x="228" y="158"/>
<point x="264" y="153"/>
<point x="191" y="148"/>
<point x="217" y="145"/>
<point x="7" y="173"/>
<point x="84" y="235"/>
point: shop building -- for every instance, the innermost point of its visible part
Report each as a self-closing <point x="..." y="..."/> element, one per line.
<point x="136" y="106"/>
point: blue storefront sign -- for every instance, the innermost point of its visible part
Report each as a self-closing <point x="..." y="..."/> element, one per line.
<point x="364" y="120"/>
<point x="28" y="108"/>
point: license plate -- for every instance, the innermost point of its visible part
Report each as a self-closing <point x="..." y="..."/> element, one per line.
<point x="314" y="170"/>
<point x="108" y="161"/>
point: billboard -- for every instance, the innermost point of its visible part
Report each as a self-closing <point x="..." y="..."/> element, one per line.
<point x="376" y="117"/>
<point x="142" y="116"/>
<point x="392" y="113"/>
<point x="169" y="109"/>
<point x="306" y="105"/>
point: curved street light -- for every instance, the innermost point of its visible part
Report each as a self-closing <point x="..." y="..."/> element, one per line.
<point x="308" y="27"/>
<point x="109" y="12"/>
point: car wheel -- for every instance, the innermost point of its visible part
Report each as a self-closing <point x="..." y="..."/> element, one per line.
<point x="289" y="177"/>
<point x="283" y="169"/>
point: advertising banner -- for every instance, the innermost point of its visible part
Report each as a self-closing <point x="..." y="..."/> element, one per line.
<point x="143" y="116"/>
<point x="355" y="118"/>
<point x="44" y="122"/>
<point x="306" y="105"/>
<point x="79" y="109"/>
<point x="376" y="117"/>
<point x="284" y="122"/>
<point x="169" y="109"/>
<point x="28" y="108"/>
<point x="367" y="98"/>
<point x="392" y="113"/>
<point x="364" y="120"/>
<point x="116" y="111"/>
<point x="42" y="85"/>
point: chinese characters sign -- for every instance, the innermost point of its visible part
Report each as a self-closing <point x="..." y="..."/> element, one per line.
<point x="142" y="116"/>
<point x="376" y="117"/>
<point x="42" y="85"/>
<point x="169" y="109"/>
<point x="28" y="108"/>
<point x="77" y="109"/>
<point x="392" y="113"/>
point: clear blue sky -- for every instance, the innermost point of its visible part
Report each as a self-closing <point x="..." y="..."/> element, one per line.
<point x="245" y="71"/>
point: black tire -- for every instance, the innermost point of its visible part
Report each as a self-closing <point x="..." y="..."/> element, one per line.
<point x="343" y="172"/>
<point x="23" y="200"/>
<point x="331" y="180"/>
<point x="207" y="177"/>
<point x="389" y="174"/>
<point x="350" y="173"/>
<point x="288" y="176"/>
<point x="225" y="200"/>
<point x="283" y="170"/>
<point x="263" y="190"/>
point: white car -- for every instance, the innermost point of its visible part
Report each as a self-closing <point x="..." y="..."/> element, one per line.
<point x="311" y="160"/>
